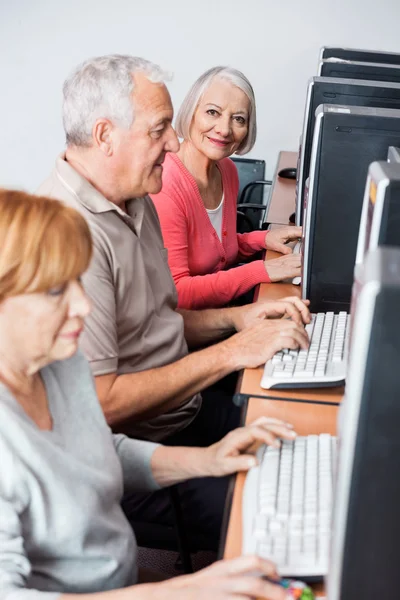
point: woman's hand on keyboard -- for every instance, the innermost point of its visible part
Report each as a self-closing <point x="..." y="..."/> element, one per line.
<point x="276" y="239"/>
<point x="243" y="578"/>
<point x="255" y="345"/>
<point x="284" y="267"/>
<point x="235" y="452"/>
<point x="290" y="307"/>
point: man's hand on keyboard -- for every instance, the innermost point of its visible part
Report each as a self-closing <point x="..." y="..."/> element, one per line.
<point x="255" y="345"/>
<point x="284" y="267"/>
<point x="245" y="578"/>
<point x="290" y="307"/>
<point x="235" y="452"/>
<point x="276" y="239"/>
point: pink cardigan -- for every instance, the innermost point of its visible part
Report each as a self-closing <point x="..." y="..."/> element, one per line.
<point x="196" y="256"/>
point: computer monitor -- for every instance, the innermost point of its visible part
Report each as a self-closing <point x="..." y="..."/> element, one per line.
<point x="393" y="155"/>
<point x="370" y="71"/>
<point x="380" y="216"/>
<point x="346" y="140"/>
<point x="372" y="56"/>
<point x="366" y="518"/>
<point x="336" y="91"/>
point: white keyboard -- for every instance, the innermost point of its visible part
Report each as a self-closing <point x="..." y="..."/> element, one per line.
<point x="323" y="364"/>
<point x="287" y="505"/>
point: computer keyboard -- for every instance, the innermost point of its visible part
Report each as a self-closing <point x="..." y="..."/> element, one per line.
<point x="287" y="505"/>
<point x="323" y="364"/>
<point x="297" y="250"/>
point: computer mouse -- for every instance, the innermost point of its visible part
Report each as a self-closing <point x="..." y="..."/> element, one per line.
<point x="288" y="173"/>
<point x="297" y="589"/>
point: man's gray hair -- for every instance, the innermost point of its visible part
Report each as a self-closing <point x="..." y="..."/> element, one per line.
<point x="102" y="87"/>
<point x="193" y="97"/>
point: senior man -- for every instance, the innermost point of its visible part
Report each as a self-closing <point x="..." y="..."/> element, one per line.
<point x="117" y="115"/>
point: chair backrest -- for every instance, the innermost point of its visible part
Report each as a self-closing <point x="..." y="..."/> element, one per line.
<point x="250" y="169"/>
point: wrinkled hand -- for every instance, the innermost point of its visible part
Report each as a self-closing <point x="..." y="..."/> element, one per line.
<point x="290" y="307"/>
<point x="224" y="580"/>
<point x="283" y="267"/>
<point x="235" y="452"/>
<point x="276" y="239"/>
<point x="254" y="345"/>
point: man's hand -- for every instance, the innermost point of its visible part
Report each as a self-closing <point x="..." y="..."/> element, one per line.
<point x="253" y="346"/>
<point x="243" y="578"/>
<point x="284" y="267"/>
<point x="235" y="452"/>
<point x="276" y="239"/>
<point x="290" y="308"/>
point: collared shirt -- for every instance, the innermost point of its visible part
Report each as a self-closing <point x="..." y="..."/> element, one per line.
<point x="133" y="325"/>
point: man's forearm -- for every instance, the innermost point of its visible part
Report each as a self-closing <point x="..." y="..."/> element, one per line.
<point x="206" y="326"/>
<point x="143" y="395"/>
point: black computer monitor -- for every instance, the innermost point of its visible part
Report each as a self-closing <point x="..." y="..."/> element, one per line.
<point x="372" y="56"/>
<point x="370" y="71"/>
<point x="364" y="560"/>
<point x="322" y="90"/>
<point x="380" y="216"/>
<point x="346" y="140"/>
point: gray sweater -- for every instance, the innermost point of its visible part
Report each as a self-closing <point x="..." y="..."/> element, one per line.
<point x="61" y="525"/>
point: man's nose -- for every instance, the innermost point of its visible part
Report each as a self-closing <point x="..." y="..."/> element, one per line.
<point x="172" y="144"/>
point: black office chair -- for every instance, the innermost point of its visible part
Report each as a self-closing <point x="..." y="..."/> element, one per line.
<point x="246" y="220"/>
<point x="251" y="174"/>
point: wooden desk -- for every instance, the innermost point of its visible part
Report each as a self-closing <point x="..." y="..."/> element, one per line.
<point x="317" y="416"/>
<point x="282" y="192"/>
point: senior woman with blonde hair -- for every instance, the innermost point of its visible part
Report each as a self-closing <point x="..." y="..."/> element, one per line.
<point x="62" y="475"/>
<point x="197" y="203"/>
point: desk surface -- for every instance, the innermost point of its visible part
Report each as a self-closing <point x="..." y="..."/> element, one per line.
<point x="282" y="192"/>
<point x="317" y="416"/>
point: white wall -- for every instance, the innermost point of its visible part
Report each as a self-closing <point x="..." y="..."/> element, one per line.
<point x="275" y="42"/>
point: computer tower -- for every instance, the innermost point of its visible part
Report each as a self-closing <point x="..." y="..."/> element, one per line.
<point x="372" y="56"/>
<point x="322" y="90"/>
<point x="346" y="140"/>
<point x="360" y="70"/>
<point x="364" y="555"/>
<point x="380" y="217"/>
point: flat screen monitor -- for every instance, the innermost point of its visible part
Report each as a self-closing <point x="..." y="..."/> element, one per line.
<point x="370" y="71"/>
<point x="363" y="560"/>
<point x="324" y="90"/>
<point x="372" y="56"/>
<point x="346" y="141"/>
<point x="380" y="217"/>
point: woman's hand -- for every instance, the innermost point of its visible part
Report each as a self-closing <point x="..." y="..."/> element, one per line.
<point x="235" y="452"/>
<point x="243" y="578"/>
<point x="276" y="239"/>
<point x="284" y="267"/>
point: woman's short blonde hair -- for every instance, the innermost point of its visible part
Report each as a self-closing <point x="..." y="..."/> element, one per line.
<point x="190" y="103"/>
<point x="43" y="243"/>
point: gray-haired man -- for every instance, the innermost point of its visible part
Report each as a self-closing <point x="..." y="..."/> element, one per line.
<point x="117" y="119"/>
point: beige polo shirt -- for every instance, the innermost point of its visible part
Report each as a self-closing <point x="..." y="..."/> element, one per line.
<point x="133" y="325"/>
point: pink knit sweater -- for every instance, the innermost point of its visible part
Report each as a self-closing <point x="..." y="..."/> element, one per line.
<point x="196" y="256"/>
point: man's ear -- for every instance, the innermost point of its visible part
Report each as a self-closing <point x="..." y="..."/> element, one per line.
<point x="102" y="135"/>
